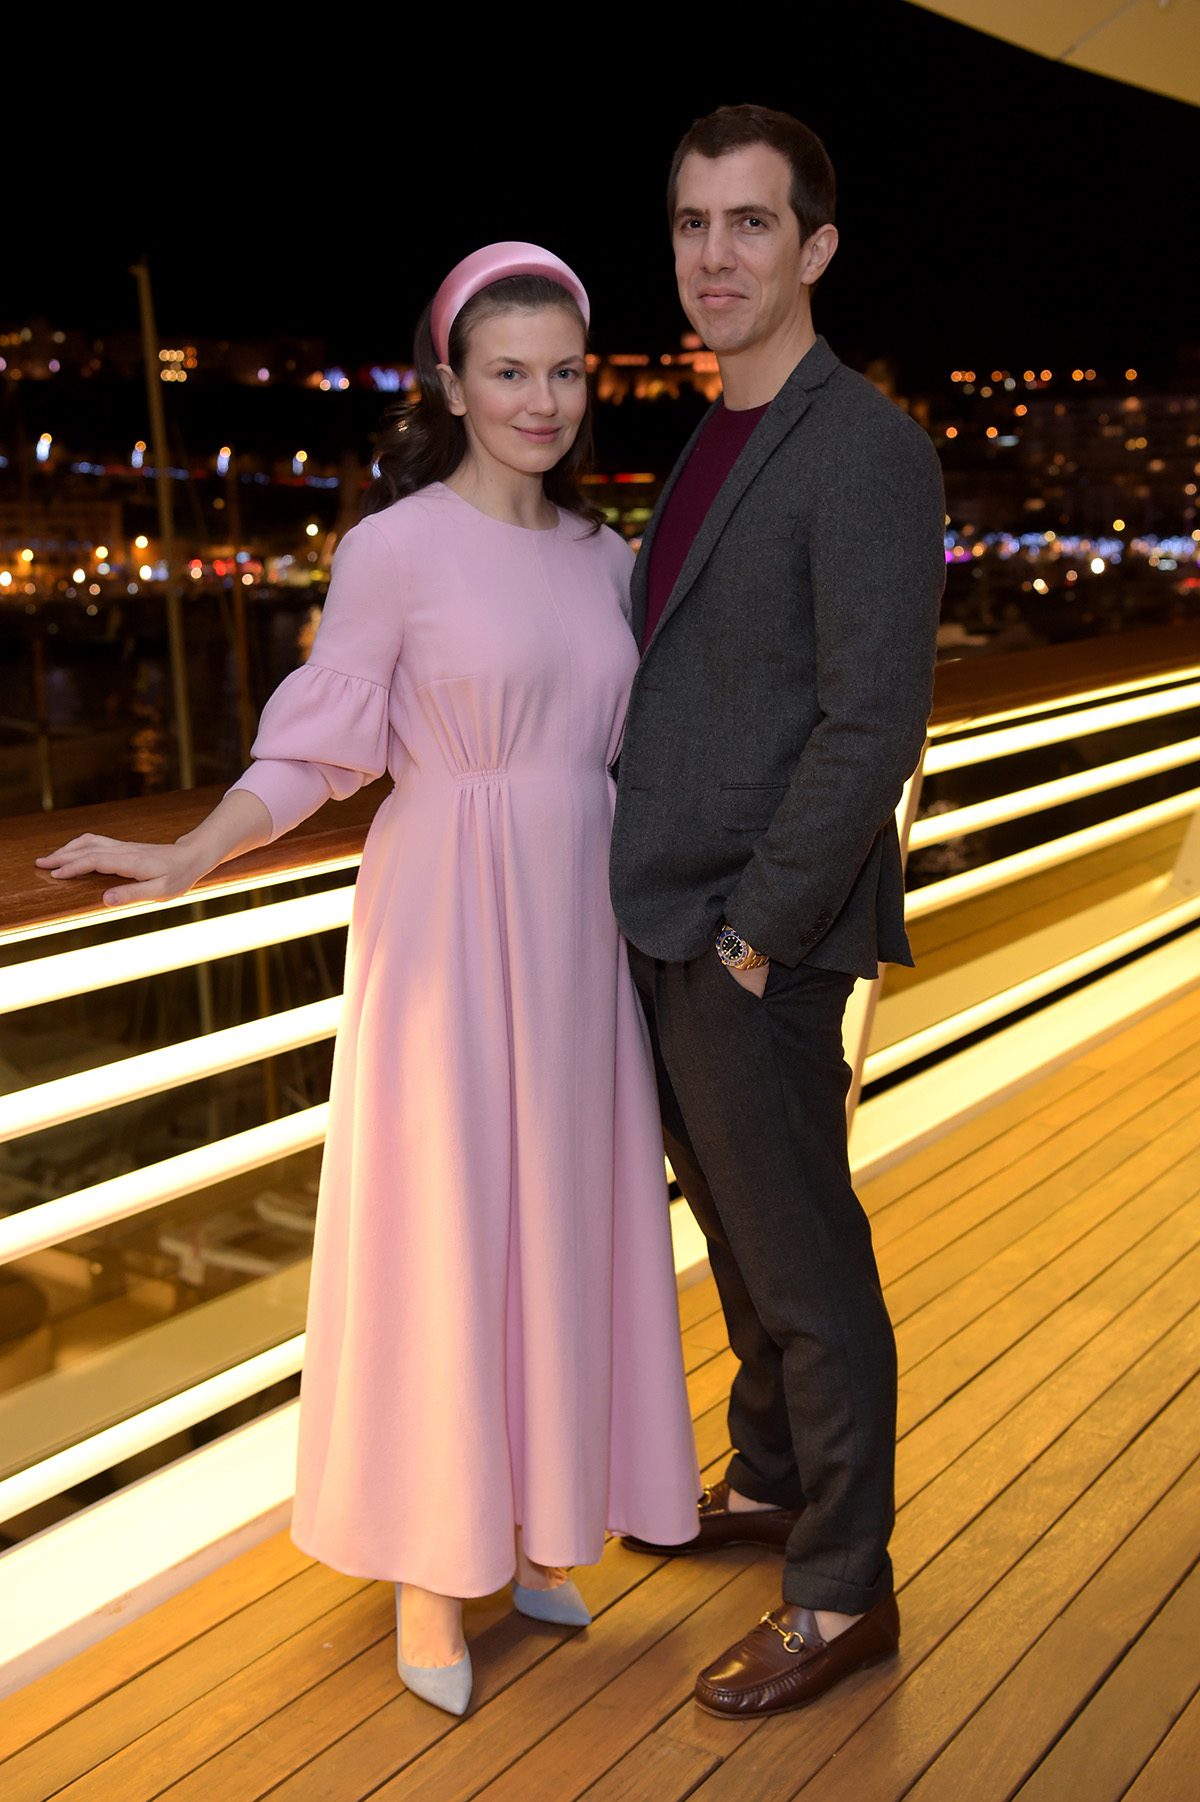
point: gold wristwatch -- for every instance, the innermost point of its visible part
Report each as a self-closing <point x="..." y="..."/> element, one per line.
<point x="735" y="953"/>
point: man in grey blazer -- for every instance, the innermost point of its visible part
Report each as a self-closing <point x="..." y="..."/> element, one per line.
<point x="786" y="598"/>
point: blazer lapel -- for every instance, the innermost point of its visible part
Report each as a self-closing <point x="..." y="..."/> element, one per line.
<point x="789" y="405"/>
<point x="638" y="587"/>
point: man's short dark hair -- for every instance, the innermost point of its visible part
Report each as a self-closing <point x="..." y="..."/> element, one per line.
<point x="814" y="186"/>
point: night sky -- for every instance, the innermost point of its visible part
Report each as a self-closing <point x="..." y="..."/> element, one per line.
<point x="995" y="209"/>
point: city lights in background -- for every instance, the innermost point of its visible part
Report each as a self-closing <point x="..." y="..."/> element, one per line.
<point x="1099" y="553"/>
<point x="1025" y="441"/>
<point x="176" y="364"/>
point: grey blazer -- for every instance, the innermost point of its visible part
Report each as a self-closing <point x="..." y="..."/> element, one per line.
<point x="782" y="702"/>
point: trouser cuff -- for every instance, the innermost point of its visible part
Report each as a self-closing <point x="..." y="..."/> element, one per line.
<point x="805" y="1588"/>
<point x="740" y="1477"/>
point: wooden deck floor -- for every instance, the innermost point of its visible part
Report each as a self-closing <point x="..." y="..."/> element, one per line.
<point x="1043" y="1270"/>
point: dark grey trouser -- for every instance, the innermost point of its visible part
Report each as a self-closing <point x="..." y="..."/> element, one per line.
<point x="753" y="1099"/>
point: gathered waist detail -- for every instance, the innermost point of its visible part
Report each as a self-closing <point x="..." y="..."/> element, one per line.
<point x="523" y="774"/>
<point x="490" y="775"/>
<point x="425" y="783"/>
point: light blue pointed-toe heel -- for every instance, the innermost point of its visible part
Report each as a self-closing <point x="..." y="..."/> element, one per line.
<point x="447" y="1686"/>
<point x="563" y="1606"/>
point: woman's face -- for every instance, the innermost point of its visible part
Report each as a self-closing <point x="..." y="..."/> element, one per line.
<point x="522" y="394"/>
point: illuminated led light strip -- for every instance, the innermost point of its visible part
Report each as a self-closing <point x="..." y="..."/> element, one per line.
<point x="969" y="883"/>
<point x="1024" y="801"/>
<point x="69" y="1586"/>
<point x="75" y="1463"/>
<point x="52" y="1222"/>
<point x="1025" y="737"/>
<point x="245" y="885"/>
<point x="984" y="1013"/>
<point x="1028" y="709"/>
<point x="129" y="1078"/>
<point x="174" y="948"/>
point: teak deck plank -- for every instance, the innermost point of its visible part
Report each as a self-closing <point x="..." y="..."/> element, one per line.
<point x="45" y="1766"/>
<point x="1129" y="1350"/>
<point x="1017" y="1728"/>
<point x="1043" y="1266"/>
<point x="1043" y="1273"/>
<point x="169" y="1750"/>
<point x="1030" y="1147"/>
<point x="946" y="1432"/>
<point x="1174" y="1770"/>
<point x="1109" y="1741"/>
<point x="974" y="1224"/>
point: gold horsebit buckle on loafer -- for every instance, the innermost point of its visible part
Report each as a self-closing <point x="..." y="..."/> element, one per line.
<point x="787" y="1635"/>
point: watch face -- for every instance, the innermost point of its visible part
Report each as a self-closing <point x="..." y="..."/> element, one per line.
<point x="730" y="946"/>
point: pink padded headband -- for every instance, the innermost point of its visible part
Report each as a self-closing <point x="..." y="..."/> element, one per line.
<point x="492" y="264"/>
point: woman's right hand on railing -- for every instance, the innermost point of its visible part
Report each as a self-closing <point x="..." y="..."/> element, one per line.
<point x="159" y="872"/>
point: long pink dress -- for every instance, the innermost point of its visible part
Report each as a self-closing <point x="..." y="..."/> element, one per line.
<point x="493" y="1335"/>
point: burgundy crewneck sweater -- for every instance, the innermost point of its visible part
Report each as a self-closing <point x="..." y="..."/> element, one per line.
<point x="715" y="452"/>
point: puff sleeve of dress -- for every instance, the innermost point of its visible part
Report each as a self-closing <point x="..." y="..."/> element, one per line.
<point x="323" y="734"/>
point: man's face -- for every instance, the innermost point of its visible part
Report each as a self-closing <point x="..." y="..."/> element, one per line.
<point x="738" y="257"/>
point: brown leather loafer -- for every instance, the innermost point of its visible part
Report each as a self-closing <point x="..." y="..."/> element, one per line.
<point x="719" y="1526"/>
<point x="784" y="1663"/>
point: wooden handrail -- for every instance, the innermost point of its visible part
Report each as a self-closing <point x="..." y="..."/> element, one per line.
<point x="965" y="690"/>
<point x="1010" y="681"/>
<point x="30" y="897"/>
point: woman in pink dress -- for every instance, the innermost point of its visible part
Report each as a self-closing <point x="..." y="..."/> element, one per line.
<point x="493" y="1374"/>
